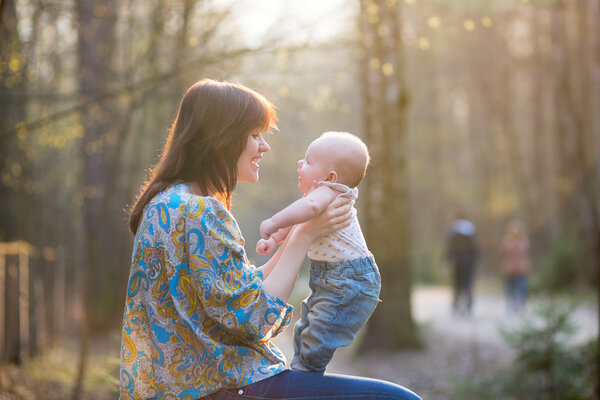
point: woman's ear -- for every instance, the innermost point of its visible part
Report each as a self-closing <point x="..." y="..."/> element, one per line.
<point x="332" y="176"/>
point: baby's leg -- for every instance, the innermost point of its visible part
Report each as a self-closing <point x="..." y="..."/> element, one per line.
<point x="316" y="346"/>
<point x="300" y="326"/>
<point x="333" y="319"/>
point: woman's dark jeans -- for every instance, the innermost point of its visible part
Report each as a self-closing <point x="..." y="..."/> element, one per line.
<point x="296" y="385"/>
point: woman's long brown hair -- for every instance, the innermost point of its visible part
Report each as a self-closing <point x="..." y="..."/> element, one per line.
<point x="206" y="140"/>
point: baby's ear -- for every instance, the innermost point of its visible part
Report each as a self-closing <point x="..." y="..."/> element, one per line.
<point x="332" y="176"/>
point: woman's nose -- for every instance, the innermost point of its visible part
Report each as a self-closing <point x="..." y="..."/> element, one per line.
<point x="264" y="146"/>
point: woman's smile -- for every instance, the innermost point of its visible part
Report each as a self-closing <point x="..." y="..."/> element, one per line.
<point x="256" y="161"/>
<point x="249" y="161"/>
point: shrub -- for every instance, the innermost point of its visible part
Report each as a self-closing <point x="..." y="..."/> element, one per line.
<point x="548" y="365"/>
<point x="563" y="265"/>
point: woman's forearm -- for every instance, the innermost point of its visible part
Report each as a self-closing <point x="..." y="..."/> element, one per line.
<point x="284" y="271"/>
<point x="267" y="267"/>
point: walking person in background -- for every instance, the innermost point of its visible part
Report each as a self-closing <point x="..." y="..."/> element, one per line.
<point x="516" y="265"/>
<point x="462" y="256"/>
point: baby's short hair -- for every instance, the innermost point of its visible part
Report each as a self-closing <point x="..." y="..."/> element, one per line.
<point x="350" y="164"/>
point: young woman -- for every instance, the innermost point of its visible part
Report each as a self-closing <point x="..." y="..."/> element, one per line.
<point x="516" y="265"/>
<point x="198" y="317"/>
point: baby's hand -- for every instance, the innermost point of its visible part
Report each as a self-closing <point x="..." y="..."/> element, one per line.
<point x="265" y="246"/>
<point x="267" y="228"/>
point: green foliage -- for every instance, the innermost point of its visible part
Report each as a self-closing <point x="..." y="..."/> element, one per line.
<point x="429" y="265"/>
<point x="548" y="363"/>
<point x="563" y="266"/>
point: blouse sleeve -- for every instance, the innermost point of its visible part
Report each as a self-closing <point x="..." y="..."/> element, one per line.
<point x="229" y="290"/>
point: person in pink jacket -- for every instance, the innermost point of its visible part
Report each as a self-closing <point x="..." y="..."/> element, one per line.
<point x="516" y="265"/>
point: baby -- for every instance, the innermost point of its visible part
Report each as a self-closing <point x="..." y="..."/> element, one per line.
<point x="344" y="279"/>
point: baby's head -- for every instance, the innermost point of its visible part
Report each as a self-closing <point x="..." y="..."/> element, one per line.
<point x="336" y="157"/>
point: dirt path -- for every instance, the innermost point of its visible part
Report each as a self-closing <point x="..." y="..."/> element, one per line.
<point x="455" y="347"/>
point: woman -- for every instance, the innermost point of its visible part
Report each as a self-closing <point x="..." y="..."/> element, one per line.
<point x="516" y="265"/>
<point x="198" y="317"/>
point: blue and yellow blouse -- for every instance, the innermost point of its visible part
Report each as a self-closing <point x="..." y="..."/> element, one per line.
<point x="196" y="316"/>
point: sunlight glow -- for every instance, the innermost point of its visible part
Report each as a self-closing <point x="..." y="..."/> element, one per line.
<point x="387" y="69"/>
<point x="283" y="92"/>
<point x="14" y="64"/>
<point x="469" y="25"/>
<point x="433" y="22"/>
<point x="374" y="63"/>
<point x="193" y="41"/>
<point x="383" y="30"/>
<point x="309" y="19"/>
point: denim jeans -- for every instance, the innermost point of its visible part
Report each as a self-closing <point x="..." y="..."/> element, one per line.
<point x="302" y="385"/>
<point x="463" y="286"/>
<point x="516" y="288"/>
<point x="344" y="295"/>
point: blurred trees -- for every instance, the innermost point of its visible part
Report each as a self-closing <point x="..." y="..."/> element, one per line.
<point x="516" y="91"/>
<point x="501" y="125"/>
<point x="387" y="188"/>
<point x="96" y="22"/>
<point x="502" y="121"/>
<point x="13" y="63"/>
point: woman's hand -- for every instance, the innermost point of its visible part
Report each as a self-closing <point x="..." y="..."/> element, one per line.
<point x="336" y="216"/>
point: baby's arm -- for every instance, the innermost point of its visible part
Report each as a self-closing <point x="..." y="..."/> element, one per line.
<point x="268" y="266"/>
<point x="299" y="211"/>
<point x="266" y="246"/>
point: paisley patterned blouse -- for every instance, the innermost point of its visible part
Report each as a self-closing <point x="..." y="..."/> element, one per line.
<point x="196" y="316"/>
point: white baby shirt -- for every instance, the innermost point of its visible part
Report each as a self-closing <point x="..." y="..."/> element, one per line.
<point x="346" y="244"/>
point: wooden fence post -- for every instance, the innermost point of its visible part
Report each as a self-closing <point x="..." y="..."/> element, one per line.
<point x="38" y="303"/>
<point x="2" y="303"/>
<point x="32" y="300"/>
<point x="24" y="300"/>
<point x="59" y="295"/>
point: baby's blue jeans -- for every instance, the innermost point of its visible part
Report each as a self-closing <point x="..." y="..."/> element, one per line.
<point x="344" y="295"/>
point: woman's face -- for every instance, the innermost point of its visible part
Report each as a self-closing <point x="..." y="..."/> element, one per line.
<point x="248" y="163"/>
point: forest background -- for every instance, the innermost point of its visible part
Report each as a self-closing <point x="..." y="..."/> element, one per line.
<point x="486" y="107"/>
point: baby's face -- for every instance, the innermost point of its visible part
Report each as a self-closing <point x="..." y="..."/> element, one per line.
<point x="316" y="165"/>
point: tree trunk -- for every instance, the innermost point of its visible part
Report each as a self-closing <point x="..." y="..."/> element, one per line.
<point x="96" y="41"/>
<point x="12" y="111"/>
<point x="565" y="124"/>
<point x="595" y="105"/>
<point x="542" y="156"/>
<point x="386" y="100"/>
<point x="593" y="84"/>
